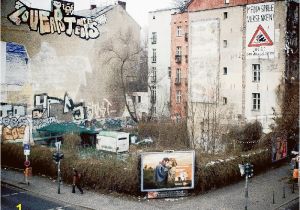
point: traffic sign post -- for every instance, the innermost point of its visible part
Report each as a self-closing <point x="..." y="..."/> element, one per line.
<point x="247" y="170"/>
<point x="27" y="162"/>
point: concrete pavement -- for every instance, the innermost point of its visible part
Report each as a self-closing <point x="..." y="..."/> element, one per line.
<point x="261" y="188"/>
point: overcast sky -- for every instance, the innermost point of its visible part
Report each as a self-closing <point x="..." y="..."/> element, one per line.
<point x="138" y="9"/>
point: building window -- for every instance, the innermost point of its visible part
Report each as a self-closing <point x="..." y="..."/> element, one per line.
<point x="41" y="100"/>
<point x="256" y="101"/>
<point x="153" y="55"/>
<point x="179" y="31"/>
<point x="153" y="17"/>
<point x="153" y="94"/>
<point x="133" y="99"/>
<point x="178" y="51"/>
<point x="225" y="14"/>
<point x="224" y="100"/>
<point x="178" y="76"/>
<point x="256" y="72"/>
<point x="153" y="74"/>
<point x="154" y="37"/>
<point x="178" y="96"/>
<point x="139" y="99"/>
<point x="225" y="43"/>
<point x="226" y="1"/>
<point x="225" y="70"/>
<point x="16" y="111"/>
<point x="169" y="71"/>
<point x="178" y="117"/>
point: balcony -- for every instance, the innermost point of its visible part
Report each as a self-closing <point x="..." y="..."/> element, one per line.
<point x="178" y="58"/>
<point x="186" y="37"/>
<point x="177" y="81"/>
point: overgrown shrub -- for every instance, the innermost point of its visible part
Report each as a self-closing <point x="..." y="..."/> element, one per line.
<point x="243" y="138"/>
<point x="71" y="142"/>
<point x="111" y="174"/>
<point x="168" y="135"/>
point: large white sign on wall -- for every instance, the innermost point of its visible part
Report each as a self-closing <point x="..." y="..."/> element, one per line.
<point x="204" y="60"/>
<point x="260" y="31"/>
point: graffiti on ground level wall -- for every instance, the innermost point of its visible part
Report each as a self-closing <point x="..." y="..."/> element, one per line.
<point x="13" y="127"/>
<point x="60" y="19"/>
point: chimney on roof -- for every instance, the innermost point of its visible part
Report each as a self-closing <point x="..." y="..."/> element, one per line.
<point x="93" y="6"/>
<point x="122" y="4"/>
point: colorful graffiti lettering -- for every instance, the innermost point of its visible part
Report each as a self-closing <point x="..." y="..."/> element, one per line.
<point x="60" y="19"/>
<point x="13" y="133"/>
<point x="13" y="128"/>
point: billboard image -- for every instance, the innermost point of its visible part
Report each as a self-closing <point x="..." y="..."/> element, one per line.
<point x="279" y="147"/>
<point x="162" y="171"/>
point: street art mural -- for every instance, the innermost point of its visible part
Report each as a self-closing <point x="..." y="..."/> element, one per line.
<point x="49" y="109"/>
<point x="13" y="128"/>
<point x="14" y="68"/>
<point x="60" y="20"/>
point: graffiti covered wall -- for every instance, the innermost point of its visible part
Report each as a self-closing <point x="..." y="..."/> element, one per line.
<point x="60" y="20"/>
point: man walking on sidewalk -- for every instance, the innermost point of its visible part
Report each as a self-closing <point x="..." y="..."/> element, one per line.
<point x="76" y="181"/>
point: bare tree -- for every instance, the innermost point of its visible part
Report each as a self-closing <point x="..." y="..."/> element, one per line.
<point x="181" y="4"/>
<point x="122" y="54"/>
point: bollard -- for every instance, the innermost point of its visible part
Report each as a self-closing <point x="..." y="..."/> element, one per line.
<point x="273" y="197"/>
<point x="283" y="195"/>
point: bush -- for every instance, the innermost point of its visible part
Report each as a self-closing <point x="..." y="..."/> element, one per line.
<point x="71" y="142"/>
<point x="243" y="138"/>
<point x="110" y="174"/>
<point x="167" y="135"/>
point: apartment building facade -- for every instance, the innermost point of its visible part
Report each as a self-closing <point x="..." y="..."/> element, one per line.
<point x="159" y="54"/>
<point x="237" y="61"/>
<point x="179" y="66"/>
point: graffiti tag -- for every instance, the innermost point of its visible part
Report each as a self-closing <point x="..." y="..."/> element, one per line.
<point x="60" y="19"/>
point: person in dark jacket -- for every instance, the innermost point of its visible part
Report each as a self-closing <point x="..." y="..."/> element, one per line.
<point x="161" y="173"/>
<point x="76" y="181"/>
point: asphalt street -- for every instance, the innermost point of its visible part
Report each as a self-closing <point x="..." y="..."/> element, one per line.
<point x="11" y="197"/>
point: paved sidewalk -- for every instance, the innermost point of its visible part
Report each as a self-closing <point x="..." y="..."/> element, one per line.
<point x="261" y="189"/>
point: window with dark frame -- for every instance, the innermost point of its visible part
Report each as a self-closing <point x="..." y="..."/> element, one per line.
<point x="224" y="100"/>
<point x="139" y="99"/>
<point x="154" y="37"/>
<point x="255" y="101"/>
<point x="178" y="75"/>
<point x="225" y="70"/>
<point x="153" y="55"/>
<point x="255" y="72"/>
<point x="225" y="14"/>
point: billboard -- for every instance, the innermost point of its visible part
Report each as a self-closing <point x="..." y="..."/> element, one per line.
<point x="279" y="147"/>
<point x="260" y="31"/>
<point x="163" y="171"/>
